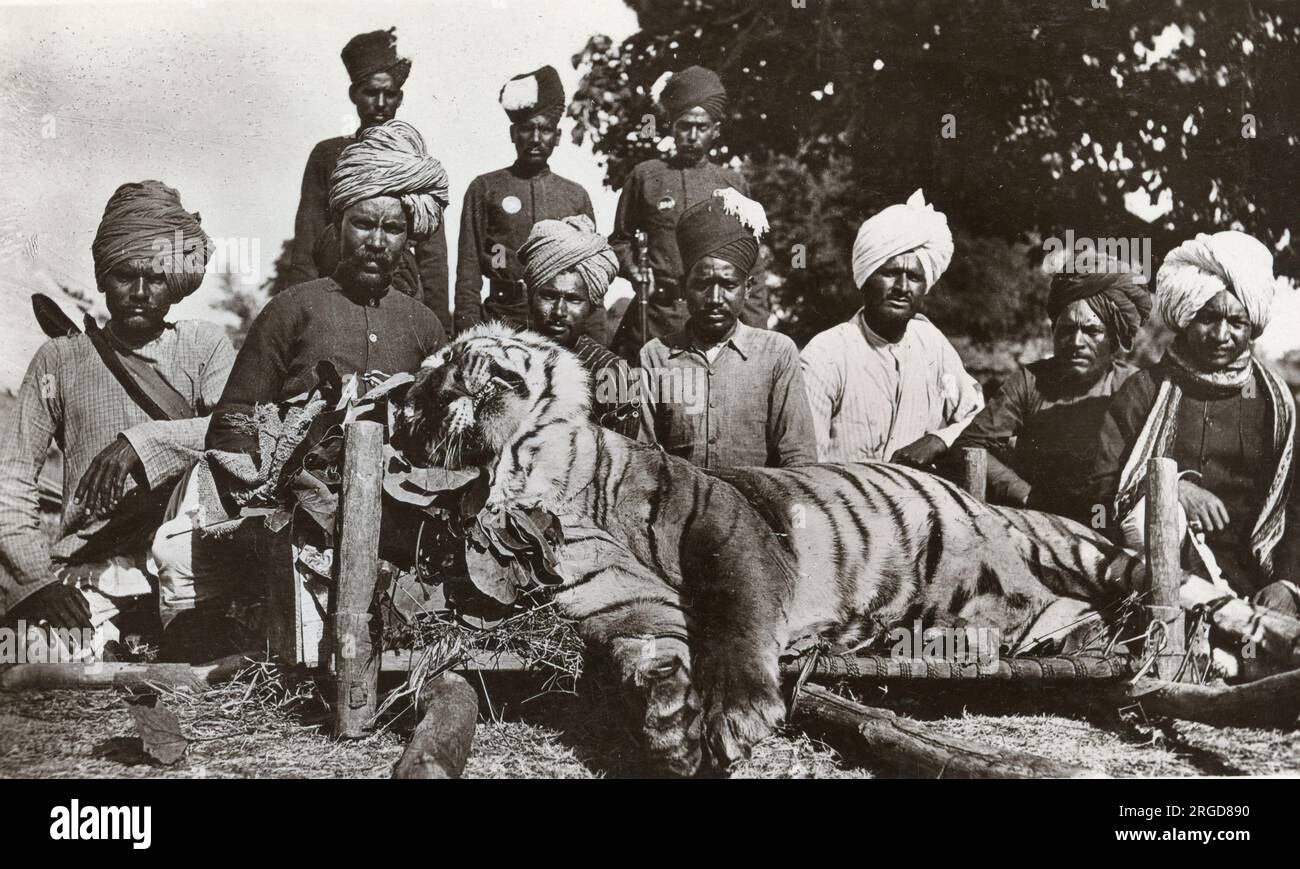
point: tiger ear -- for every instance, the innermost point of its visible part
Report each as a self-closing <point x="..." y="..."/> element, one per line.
<point x="436" y="360"/>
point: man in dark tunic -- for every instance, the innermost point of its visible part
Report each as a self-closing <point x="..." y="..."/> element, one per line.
<point x="377" y="76"/>
<point x="502" y="207"/>
<point x="385" y="190"/>
<point x="1041" y="428"/>
<point x="656" y="194"/>
<point x="568" y="267"/>
<point x="1227" y="420"/>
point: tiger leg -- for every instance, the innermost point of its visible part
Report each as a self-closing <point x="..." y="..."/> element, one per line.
<point x="637" y="624"/>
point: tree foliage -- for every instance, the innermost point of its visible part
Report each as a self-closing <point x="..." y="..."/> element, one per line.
<point x="1019" y="118"/>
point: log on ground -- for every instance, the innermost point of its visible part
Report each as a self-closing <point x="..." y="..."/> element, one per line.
<point x="440" y="744"/>
<point x="914" y="748"/>
<point x="43" y="677"/>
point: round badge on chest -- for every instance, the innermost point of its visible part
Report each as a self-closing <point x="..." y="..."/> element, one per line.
<point x="511" y="205"/>
<point x="667" y="203"/>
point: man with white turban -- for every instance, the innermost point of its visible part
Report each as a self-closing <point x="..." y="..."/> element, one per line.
<point x="128" y="406"/>
<point x="1227" y="420"/>
<point x="887" y="385"/>
<point x="567" y="267"/>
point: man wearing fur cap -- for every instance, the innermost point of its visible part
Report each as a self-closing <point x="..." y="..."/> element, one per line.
<point x="502" y="207"/>
<point x="656" y="195"/>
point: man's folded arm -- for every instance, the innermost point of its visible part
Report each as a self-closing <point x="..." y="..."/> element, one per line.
<point x="27" y="433"/>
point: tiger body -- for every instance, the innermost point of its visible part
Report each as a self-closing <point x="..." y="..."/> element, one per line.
<point x="696" y="581"/>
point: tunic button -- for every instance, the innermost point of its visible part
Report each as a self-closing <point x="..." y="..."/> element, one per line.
<point x="713" y="439"/>
<point x="373" y="337"/>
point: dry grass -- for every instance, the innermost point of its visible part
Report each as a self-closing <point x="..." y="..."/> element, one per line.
<point x="267" y="725"/>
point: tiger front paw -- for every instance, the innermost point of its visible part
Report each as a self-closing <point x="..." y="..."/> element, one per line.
<point x="670" y="727"/>
<point x="742" y="706"/>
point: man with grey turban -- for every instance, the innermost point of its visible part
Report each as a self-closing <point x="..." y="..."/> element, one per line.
<point x="567" y="267"/>
<point x="128" y="406"/>
<point x="1226" y="419"/>
<point x="377" y="74"/>
<point x="887" y="385"/>
<point x="1040" y="430"/>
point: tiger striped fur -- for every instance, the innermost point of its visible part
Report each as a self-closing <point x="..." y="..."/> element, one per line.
<point x="695" y="581"/>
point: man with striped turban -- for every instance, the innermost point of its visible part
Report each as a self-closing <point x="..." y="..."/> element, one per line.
<point x="887" y="385"/>
<point x="377" y="75"/>
<point x="1040" y="430"/>
<point x="1226" y="419"/>
<point x="568" y="266"/>
<point x="386" y="190"/>
<point x="717" y="392"/>
<point x="128" y="406"/>
<point x="658" y="192"/>
<point x="502" y="207"/>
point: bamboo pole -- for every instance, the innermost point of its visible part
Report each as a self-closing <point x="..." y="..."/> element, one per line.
<point x="1164" y="564"/>
<point x="130" y="676"/>
<point x="974" y="471"/>
<point x="357" y="564"/>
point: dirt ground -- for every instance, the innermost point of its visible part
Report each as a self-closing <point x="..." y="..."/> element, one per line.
<point x="259" y="727"/>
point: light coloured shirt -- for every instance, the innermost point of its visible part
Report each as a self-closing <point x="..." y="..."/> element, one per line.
<point x="745" y="406"/>
<point x="870" y="397"/>
<point x="69" y="396"/>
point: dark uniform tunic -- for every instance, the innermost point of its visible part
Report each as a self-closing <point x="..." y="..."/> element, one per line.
<point x="423" y="276"/>
<point x="309" y="323"/>
<point x="500" y="210"/>
<point x="653" y="199"/>
<point x="1224" y="436"/>
<point x="1041" y="436"/>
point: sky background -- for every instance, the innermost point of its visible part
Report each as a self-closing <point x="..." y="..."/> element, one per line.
<point x="224" y="99"/>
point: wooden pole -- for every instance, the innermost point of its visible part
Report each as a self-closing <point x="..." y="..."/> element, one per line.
<point x="42" y="677"/>
<point x="1164" y="563"/>
<point x="974" y="471"/>
<point x="357" y="564"/>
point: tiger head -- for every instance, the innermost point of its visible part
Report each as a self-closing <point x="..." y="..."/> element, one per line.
<point x="486" y="390"/>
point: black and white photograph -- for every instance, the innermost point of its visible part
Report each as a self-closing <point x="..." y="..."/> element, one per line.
<point x="649" y="389"/>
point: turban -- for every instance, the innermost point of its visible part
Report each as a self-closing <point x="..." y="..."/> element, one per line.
<point x="539" y="92"/>
<point x="369" y="53"/>
<point x="146" y="221"/>
<point x="571" y="244"/>
<point x="727" y="225"/>
<point x="390" y="160"/>
<point x="1198" y="270"/>
<point x="694" y="86"/>
<point x="1115" y="293"/>
<point x="914" y="227"/>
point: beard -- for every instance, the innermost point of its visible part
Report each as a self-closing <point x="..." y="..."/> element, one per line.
<point x="352" y="274"/>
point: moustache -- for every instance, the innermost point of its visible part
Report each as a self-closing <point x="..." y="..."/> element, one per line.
<point x="382" y="258"/>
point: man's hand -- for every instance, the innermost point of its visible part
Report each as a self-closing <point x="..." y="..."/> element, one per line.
<point x="63" y="606"/>
<point x="1203" y="507"/>
<point x="104" y="482"/>
<point x="921" y="452"/>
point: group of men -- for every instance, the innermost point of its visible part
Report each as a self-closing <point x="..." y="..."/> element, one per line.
<point x="134" y="406"/>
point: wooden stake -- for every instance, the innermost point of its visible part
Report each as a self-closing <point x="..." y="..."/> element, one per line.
<point x="974" y="471"/>
<point x="357" y="565"/>
<point x="1164" y="562"/>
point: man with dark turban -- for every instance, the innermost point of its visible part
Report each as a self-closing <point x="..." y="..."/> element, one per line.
<point x="377" y="75"/>
<point x="122" y="454"/>
<point x="1040" y="429"/>
<point x="887" y="385"/>
<point x="502" y="207"/>
<point x="717" y="392"/>
<point x="567" y="267"/>
<point x="655" y="196"/>
<point x="1226" y="419"/>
